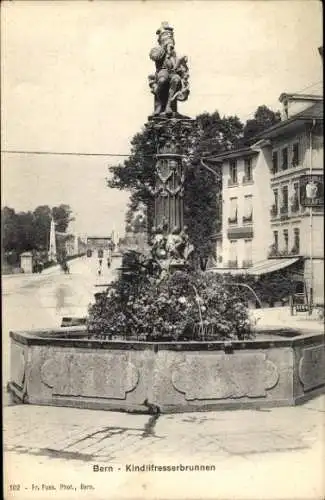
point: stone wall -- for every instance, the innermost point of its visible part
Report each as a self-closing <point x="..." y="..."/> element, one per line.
<point x="176" y="376"/>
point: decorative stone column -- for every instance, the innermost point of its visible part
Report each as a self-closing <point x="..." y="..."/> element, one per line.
<point x="171" y="131"/>
<point x="171" y="134"/>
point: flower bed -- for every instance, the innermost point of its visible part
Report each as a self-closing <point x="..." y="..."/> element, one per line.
<point x="184" y="306"/>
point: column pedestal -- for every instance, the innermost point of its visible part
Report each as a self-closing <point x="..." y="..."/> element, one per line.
<point x="170" y="240"/>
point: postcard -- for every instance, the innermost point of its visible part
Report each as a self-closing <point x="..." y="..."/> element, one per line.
<point x="162" y="249"/>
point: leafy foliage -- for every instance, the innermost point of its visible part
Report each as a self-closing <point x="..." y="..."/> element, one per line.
<point x="26" y="231"/>
<point x="62" y="216"/>
<point x="213" y="134"/>
<point x="137" y="174"/>
<point x="264" y="118"/>
<point x="270" y="288"/>
<point x="185" y="306"/>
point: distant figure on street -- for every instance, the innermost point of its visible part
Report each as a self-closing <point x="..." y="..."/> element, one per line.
<point x="65" y="267"/>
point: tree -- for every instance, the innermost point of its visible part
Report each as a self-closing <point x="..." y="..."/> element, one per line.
<point x="212" y="134"/>
<point x="26" y="231"/>
<point x="217" y="134"/>
<point x="203" y="188"/>
<point x="264" y="118"/>
<point x="62" y="216"/>
<point x="42" y="216"/>
<point x="9" y="221"/>
<point x="29" y="231"/>
<point x="137" y="174"/>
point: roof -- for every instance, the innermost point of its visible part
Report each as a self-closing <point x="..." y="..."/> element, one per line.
<point x="314" y="112"/>
<point x="260" y="268"/>
<point x="300" y="97"/>
<point x="247" y="151"/>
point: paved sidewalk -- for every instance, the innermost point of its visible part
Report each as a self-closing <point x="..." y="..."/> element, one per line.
<point x="271" y="453"/>
<point x="280" y="317"/>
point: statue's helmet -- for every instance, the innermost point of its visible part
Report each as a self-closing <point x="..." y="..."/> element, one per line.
<point x="164" y="27"/>
<point x="165" y="33"/>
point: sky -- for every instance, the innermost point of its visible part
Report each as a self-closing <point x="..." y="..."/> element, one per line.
<point x="74" y="79"/>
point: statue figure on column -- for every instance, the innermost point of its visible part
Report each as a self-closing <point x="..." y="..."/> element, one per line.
<point x="170" y="82"/>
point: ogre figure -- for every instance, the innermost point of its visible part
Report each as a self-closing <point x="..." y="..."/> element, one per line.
<point x="170" y="82"/>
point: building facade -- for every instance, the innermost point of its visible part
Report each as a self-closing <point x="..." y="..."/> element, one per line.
<point x="273" y="197"/>
<point x="99" y="243"/>
<point x="241" y="242"/>
<point x="297" y="214"/>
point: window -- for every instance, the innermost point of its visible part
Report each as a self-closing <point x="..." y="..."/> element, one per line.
<point x="285" y="199"/>
<point x="296" y="241"/>
<point x="295" y="154"/>
<point x="248" y="209"/>
<point x="286" y="240"/>
<point x="275" y="206"/>
<point x="284" y="159"/>
<point x="233" y="211"/>
<point x="276" y="240"/>
<point x="248" y="253"/>
<point x="233" y="172"/>
<point x="294" y="198"/>
<point x="275" y="165"/>
<point x="233" y="253"/>
<point x="248" y="170"/>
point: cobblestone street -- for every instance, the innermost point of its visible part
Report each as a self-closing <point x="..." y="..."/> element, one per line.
<point x="253" y="453"/>
<point x="256" y="454"/>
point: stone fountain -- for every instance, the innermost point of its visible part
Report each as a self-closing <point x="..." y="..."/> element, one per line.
<point x="65" y="368"/>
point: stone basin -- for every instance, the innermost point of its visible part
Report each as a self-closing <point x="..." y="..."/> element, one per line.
<point x="63" y="367"/>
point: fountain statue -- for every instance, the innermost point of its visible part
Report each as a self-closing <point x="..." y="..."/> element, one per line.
<point x="170" y="82"/>
<point x="172" y="132"/>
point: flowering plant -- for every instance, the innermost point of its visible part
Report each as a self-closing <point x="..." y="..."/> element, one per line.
<point x="184" y="306"/>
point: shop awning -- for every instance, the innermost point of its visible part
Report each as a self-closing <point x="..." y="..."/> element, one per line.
<point x="271" y="265"/>
<point x="260" y="268"/>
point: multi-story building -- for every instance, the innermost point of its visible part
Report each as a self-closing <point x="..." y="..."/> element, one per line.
<point x="241" y="241"/>
<point x="296" y="147"/>
<point x="272" y="209"/>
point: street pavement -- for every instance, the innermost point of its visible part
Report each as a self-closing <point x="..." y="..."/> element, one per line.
<point x="41" y="300"/>
<point x="280" y="317"/>
<point x="49" y="452"/>
<point x="268" y="454"/>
